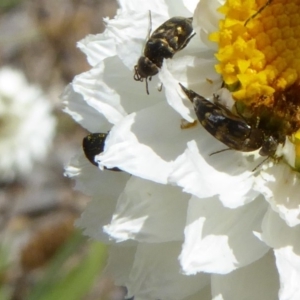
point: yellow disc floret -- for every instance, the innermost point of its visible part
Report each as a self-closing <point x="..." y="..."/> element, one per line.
<point x="259" y="61"/>
<point x="259" y="47"/>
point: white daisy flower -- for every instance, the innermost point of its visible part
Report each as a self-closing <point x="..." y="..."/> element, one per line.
<point x="27" y="126"/>
<point x="187" y="224"/>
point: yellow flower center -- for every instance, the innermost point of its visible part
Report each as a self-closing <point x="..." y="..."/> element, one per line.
<point x="259" y="46"/>
<point x="259" y="60"/>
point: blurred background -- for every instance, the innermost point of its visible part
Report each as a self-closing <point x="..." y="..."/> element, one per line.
<point x="42" y="255"/>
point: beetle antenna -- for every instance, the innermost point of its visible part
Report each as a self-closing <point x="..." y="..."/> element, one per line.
<point x="147" y="90"/>
<point x="220" y="151"/>
<point x="150" y="25"/>
<point x="258" y="12"/>
<point x="260" y="164"/>
<point x="160" y="88"/>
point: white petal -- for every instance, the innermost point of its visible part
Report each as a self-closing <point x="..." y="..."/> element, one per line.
<point x="218" y="239"/>
<point x="98" y="47"/>
<point x="131" y="156"/>
<point x="127" y="144"/>
<point x="197" y="74"/>
<point x="156" y="274"/>
<point x="190" y="5"/>
<point x="191" y="70"/>
<point x="98" y="95"/>
<point x="223" y="174"/>
<point x="119" y="263"/>
<point x="9" y="75"/>
<point x="135" y="5"/>
<point x="125" y="33"/>
<point x="96" y="215"/>
<point x="180" y="8"/>
<point x="149" y="212"/>
<point x="106" y="185"/>
<point x="110" y="90"/>
<point x="286" y="243"/>
<point x="130" y="31"/>
<point x="27" y="126"/>
<point x="206" y="15"/>
<point x="92" y="181"/>
<point x="288" y="264"/>
<point x="277" y="234"/>
<point x="258" y="281"/>
<point x="88" y="117"/>
<point x="280" y="186"/>
<point x="203" y="294"/>
<point x="172" y="92"/>
<point x="206" y="20"/>
<point x="132" y="94"/>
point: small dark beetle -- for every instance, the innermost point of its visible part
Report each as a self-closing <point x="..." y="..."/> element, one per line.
<point x="165" y="41"/>
<point x="233" y="130"/>
<point x="92" y="145"/>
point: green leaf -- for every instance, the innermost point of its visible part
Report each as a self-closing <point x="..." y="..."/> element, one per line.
<point x="5" y="293"/>
<point x="78" y="281"/>
<point x="8" y="4"/>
